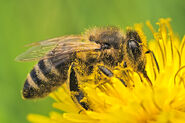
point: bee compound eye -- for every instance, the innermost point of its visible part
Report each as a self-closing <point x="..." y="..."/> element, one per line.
<point x="134" y="48"/>
<point x="133" y="43"/>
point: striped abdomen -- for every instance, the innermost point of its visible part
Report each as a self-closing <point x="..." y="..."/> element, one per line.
<point x="45" y="77"/>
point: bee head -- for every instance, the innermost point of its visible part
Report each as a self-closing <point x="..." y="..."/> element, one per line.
<point x="133" y="51"/>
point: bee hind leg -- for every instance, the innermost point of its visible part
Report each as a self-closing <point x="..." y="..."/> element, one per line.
<point x="74" y="87"/>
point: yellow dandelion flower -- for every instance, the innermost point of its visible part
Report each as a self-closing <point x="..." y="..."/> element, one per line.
<point x="111" y="102"/>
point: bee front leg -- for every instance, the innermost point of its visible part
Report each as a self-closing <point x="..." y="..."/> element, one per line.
<point x="74" y="87"/>
<point x="109" y="73"/>
<point x="125" y="65"/>
<point x="105" y="71"/>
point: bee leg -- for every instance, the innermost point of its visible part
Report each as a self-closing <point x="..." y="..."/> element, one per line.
<point x="157" y="65"/>
<point x="74" y="87"/>
<point x="145" y="76"/>
<point x="125" y="65"/>
<point x="106" y="71"/>
<point x="109" y="73"/>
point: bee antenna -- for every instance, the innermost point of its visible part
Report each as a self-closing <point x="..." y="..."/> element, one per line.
<point x="157" y="65"/>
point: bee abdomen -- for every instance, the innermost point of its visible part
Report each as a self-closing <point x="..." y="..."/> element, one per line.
<point x="48" y="70"/>
<point x="29" y="90"/>
<point x="43" y="79"/>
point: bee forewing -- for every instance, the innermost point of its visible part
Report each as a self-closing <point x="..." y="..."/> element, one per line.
<point x="55" y="40"/>
<point x="35" y="52"/>
<point x="56" y="46"/>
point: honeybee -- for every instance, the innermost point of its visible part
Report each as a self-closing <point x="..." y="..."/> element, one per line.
<point x="106" y="45"/>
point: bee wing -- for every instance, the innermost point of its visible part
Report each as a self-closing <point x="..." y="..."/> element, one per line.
<point x="56" y="47"/>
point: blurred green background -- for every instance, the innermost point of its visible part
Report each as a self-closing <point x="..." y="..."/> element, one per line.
<point x="26" y="21"/>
